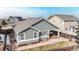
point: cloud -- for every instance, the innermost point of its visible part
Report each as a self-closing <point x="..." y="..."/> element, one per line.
<point x="35" y="12"/>
<point x="24" y="12"/>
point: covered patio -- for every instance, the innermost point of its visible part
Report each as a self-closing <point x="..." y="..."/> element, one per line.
<point x="54" y="33"/>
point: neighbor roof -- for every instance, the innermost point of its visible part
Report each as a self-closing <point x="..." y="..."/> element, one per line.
<point x="22" y="25"/>
<point x="67" y="18"/>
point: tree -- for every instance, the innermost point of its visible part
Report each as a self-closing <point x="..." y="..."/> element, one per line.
<point x="3" y="23"/>
<point x="4" y="48"/>
<point x="8" y="20"/>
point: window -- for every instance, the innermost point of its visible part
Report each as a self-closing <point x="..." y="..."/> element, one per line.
<point x="66" y="28"/>
<point x="40" y="34"/>
<point x="22" y="36"/>
<point x="44" y="32"/>
<point x="35" y="35"/>
<point x="74" y="29"/>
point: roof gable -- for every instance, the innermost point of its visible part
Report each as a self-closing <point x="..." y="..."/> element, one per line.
<point x="47" y="22"/>
<point x="22" y="25"/>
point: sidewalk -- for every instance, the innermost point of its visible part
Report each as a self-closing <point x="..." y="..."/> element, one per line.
<point x="50" y="41"/>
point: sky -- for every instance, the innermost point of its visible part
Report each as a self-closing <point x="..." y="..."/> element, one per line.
<point x="37" y="11"/>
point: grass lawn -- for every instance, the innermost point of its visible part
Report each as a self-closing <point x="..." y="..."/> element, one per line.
<point x="52" y="46"/>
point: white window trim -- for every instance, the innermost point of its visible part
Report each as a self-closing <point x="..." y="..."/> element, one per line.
<point x="23" y="36"/>
<point x="43" y="31"/>
<point x="36" y="34"/>
<point x="47" y="34"/>
<point x="17" y="39"/>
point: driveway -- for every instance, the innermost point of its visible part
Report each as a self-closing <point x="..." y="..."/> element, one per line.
<point x="50" y="41"/>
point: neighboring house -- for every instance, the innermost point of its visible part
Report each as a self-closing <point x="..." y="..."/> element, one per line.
<point x="67" y="24"/>
<point x="14" y="19"/>
<point x="33" y="30"/>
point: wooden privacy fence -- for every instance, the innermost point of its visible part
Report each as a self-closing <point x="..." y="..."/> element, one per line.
<point x="67" y="35"/>
<point x="69" y="48"/>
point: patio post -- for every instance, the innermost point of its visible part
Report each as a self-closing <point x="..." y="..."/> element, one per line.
<point x="58" y="34"/>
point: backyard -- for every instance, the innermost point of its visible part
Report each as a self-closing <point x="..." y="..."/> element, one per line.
<point x="54" y="44"/>
<point x="51" y="44"/>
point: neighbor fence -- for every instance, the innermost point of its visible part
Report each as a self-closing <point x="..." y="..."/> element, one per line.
<point x="67" y="36"/>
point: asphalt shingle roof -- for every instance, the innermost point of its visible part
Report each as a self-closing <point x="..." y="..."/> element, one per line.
<point x="22" y="25"/>
<point x="67" y="18"/>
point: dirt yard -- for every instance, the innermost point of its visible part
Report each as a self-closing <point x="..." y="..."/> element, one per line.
<point x="43" y="43"/>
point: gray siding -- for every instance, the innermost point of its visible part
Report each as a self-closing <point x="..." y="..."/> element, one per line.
<point x="43" y="25"/>
<point x="29" y="33"/>
<point x="28" y="37"/>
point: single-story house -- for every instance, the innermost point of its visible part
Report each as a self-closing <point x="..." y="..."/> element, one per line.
<point x="33" y="30"/>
